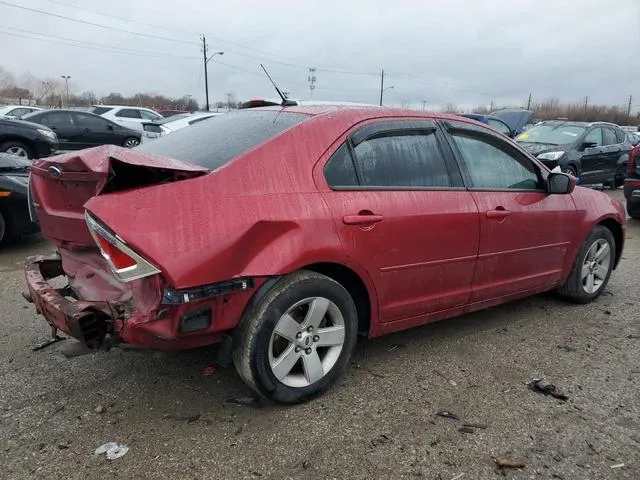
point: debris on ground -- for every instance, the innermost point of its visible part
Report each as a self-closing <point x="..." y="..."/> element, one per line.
<point x="618" y="465"/>
<point x="208" y="371"/>
<point x="395" y="346"/>
<point x="112" y="450"/>
<point x="306" y="464"/>
<point x="466" y="430"/>
<point x="503" y="463"/>
<point x="99" y="409"/>
<point x="188" y="418"/>
<point x="46" y="343"/>
<point x="449" y="381"/>
<point x="475" y="425"/>
<point x="446" y="414"/>
<point x="245" y="401"/>
<point x="380" y="440"/>
<point x="541" y="385"/>
<point x="592" y="447"/>
<point x="458" y="477"/>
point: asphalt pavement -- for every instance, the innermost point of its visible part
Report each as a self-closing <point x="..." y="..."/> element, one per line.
<point x="379" y="422"/>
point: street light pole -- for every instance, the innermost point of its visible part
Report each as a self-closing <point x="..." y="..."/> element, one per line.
<point x="66" y="80"/>
<point x="206" y="77"/>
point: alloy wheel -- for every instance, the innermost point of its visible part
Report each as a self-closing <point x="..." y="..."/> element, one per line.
<point x="131" y="142"/>
<point x="306" y="342"/>
<point x="596" y="266"/>
<point x="18" y="151"/>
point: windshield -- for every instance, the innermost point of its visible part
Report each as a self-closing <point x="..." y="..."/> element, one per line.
<point x="215" y="142"/>
<point x="554" y="134"/>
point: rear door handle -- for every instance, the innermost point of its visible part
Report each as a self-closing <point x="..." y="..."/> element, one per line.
<point x="498" y="213"/>
<point x="362" y="219"/>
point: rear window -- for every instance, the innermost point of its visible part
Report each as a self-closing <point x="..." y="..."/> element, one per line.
<point x="99" y="110"/>
<point x="215" y="142"/>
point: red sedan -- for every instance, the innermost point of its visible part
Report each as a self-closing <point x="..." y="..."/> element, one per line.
<point x="282" y="233"/>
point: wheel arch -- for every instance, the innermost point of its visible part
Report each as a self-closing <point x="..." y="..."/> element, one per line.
<point x="17" y="138"/>
<point x="618" y="235"/>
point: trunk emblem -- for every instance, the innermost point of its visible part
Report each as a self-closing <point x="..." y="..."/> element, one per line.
<point x="55" y="172"/>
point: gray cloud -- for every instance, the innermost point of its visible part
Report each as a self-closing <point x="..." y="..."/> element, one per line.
<point x="458" y="51"/>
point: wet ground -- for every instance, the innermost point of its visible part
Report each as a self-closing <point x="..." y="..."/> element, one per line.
<point x="378" y="422"/>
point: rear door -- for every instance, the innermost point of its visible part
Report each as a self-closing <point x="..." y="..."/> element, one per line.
<point x="69" y="135"/>
<point x="525" y="232"/>
<point x="403" y="214"/>
<point x="130" y="118"/>
<point x="95" y="130"/>
<point x="614" y="148"/>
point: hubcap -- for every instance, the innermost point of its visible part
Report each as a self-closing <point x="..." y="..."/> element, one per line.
<point x="18" y="151"/>
<point x="596" y="266"/>
<point x="306" y="342"/>
<point x="131" y="142"/>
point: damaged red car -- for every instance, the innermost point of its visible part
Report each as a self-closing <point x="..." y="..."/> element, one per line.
<point x="283" y="233"/>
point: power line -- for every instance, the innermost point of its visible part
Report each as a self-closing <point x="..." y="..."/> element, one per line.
<point x="88" y="47"/>
<point x="147" y="35"/>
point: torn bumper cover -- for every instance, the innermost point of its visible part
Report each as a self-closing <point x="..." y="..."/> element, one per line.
<point x="135" y="312"/>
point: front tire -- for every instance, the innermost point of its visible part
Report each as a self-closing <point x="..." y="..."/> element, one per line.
<point x="571" y="170"/>
<point x="298" y="339"/>
<point x="592" y="268"/>
<point x="130" y="142"/>
<point x="17" y="148"/>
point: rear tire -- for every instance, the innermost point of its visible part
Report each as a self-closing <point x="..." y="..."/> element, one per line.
<point x="17" y="148"/>
<point x="130" y="142"/>
<point x="298" y="339"/>
<point x="570" y="170"/>
<point x="592" y="268"/>
<point x="633" y="211"/>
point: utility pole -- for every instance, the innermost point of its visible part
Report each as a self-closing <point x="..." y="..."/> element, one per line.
<point x="312" y="81"/>
<point x="424" y="105"/>
<point x="629" y="109"/>
<point x="586" y="102"/>
<point x="229" y="101"/>
<point x="66" y="80"/>
<point x="381" y="85"/>
<point x="206" y="78"/>
<point x="491" y="107"/>
<point x="529" y="103"/>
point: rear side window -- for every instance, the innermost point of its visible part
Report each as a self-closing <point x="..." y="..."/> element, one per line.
<point x="610" y="136"/>
<point x="402" y="160"/>
<point x="57" y="118"/>
<point x="340" y="170"/>
<point x="215" y="142"/>
<point x="99" y="110"/>
<point x="129" y="113"/>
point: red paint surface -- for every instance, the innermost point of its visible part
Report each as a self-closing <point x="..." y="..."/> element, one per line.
<point x="431" y="255"/>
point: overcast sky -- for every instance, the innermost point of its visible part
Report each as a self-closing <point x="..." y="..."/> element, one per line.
<point x="467" y="52"/>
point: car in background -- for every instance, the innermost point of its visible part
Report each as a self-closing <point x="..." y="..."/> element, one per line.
<point x="283" y="233"/>
<point x="153" y="130"/>
<point x="516" y="118"/>
<point x="493" y="122"/>
<point x="77" y="130"/>
<point x="171" y="113"/>
<point x="631" y="185"/>
<point x="16" y="111"/>
<point x="634" y="138"/>
<point x="130" y="117"/>
<point x="596" y="152"/>
<point x="26" y="139"/>
<point x="14" y="207"/>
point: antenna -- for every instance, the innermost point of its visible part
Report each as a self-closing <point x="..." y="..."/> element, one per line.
<point x="285" y="101"/>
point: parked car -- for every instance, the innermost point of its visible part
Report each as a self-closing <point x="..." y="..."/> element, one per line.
<point x="632" y="183"/>
<point x="153" y="130"/>
<point x="516" y="118"/>
<point x="16" y="111"/>
<point x="283" y="232"/>
<point x="77" y="130"/>
<point x="130" y="117"/>
<point x="14" y="212"/>
<point x="595" y="152"/>
<point x="171" y="113"/>
<point x="26" y="139"/>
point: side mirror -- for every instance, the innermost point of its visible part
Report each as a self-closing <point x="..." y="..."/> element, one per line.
<point x="560" y="183"/>
<point x="586" y="145"/>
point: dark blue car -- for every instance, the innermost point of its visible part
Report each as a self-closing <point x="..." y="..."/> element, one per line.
<point x="510" y="121"/>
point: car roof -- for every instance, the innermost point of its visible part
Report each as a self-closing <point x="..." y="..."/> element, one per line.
<point x="3" y="107"/>
<point x="575" y="123"/>
<point x="123" y="106"/>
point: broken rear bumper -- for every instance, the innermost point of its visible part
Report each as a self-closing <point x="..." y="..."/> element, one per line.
<point x="85" y="321"/>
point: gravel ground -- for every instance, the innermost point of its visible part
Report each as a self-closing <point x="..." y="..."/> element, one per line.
<point x="378" y="422"/>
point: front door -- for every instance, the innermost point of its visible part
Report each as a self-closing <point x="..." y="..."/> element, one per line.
<point x="67" y="132"/>
<point x="94" y="130"/>
<point x="593" y="160"/>
<point x="525" y="233"/>
<point x="402" y="213"/>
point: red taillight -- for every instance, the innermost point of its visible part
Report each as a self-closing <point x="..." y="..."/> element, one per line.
<point x="633" y="159"/>
<point x="119" y="259"/>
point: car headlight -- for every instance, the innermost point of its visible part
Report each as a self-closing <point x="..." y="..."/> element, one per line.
<point x="47" y="133"/>
<point x="550" y="155"/>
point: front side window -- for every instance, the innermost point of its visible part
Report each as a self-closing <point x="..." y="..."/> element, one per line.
<point x="402" y="160"/>
<point x="62" y="119"/>
<point x="89" y="121"/>
<point x="595" y="137"/>
<point x="129" y="113"/>
<point x="491" y="167"/>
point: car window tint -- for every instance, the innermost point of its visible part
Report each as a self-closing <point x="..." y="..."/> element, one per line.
<point x="99" y="110"/>
<point x="490" y="167"/>
<point x="56" y="118"/>
<point x="129" y="113"/>
<point x="340" y="170"/>
<point x="149" y="115"/>
<point x="402" y="160"/>
<point x="89" y="121"/>
<point x="215" y="142"/>
<point x="609" y="137"/>
<point x="499" y="126"/>
<point x="594" y="136"/>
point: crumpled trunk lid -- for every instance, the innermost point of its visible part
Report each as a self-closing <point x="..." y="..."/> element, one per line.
<point x="61" y="185"/>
